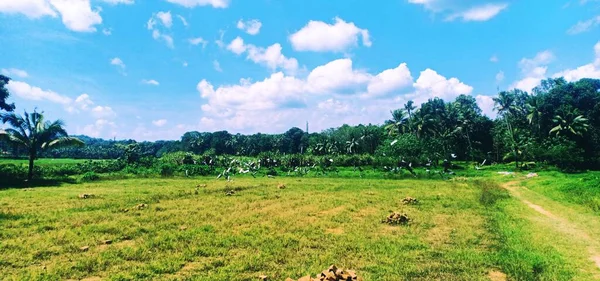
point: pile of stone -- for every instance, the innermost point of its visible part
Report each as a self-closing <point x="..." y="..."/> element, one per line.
<point x="86" y="196"/>
<point x="331" y="274"/>
<point x="230" y="193"/>
<point x="397" y="218"/>
<point x="410" y="201"/>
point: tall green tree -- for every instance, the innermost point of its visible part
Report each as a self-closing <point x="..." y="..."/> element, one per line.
<point x="4" y="94"/>
<point x="33" y="133"/>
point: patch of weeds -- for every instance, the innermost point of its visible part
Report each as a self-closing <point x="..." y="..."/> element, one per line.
<point x="491" y="193"/>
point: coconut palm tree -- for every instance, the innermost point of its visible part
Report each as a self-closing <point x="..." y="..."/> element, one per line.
<point x="575" y="125"/>
<point x="398" y="124"/>
<point x="33" y="133"/>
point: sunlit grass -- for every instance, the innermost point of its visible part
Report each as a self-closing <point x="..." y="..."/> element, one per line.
<point x="459" y="231"/>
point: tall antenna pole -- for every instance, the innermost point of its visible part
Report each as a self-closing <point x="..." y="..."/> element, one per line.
<point x="306" y="127"/>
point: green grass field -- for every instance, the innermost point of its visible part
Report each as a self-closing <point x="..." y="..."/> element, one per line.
<point x="462" y="229"/>
<point x="42" y="161"/>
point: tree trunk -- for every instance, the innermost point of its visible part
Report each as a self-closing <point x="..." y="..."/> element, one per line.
<point x="30" y="173"/>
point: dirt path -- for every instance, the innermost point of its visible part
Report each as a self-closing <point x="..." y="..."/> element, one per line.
<point x="560" y="223"/>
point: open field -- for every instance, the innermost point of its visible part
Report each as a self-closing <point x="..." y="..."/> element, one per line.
<point x="42" y="161"/>
<point x="462" y="229"/>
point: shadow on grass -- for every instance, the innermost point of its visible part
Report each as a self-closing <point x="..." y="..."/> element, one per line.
<point x="18" y="183"/>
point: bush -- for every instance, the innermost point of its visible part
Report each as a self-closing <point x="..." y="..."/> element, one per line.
<point x="90" y="176"/>
<point x="12" y="173"/>
<point x="167" y="170"/>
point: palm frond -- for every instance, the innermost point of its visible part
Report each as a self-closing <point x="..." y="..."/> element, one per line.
<point x="63" y="142"/>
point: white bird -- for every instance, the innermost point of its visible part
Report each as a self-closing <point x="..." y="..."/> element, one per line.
<point x="394" y="142"/>
<point x="453" y="155"/>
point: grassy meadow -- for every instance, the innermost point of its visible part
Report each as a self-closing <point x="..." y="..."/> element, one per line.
<point x="190" y="229"/>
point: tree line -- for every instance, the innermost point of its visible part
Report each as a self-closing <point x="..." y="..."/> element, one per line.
<point x="558" y="123"/>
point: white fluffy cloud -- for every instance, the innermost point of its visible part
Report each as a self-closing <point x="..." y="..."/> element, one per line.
<point x="194" y="3"/>
<point x="150" y="82"/>
<point x="119" y="64"/>
<point x="77" y="15"/>
<point x="26" y="91"/>
<point x="479" y="13"/>
<point x="160" y="122"/>
<point x="83" y="102"/>
<point x="100" y="128"/>
<point x="486" y="103"/>
<point x="270" y="57"/>
<point x="251" y="27"/>
<point x="14" y="72"/>
<point x="30" y="8"/>
<point x="237" y="46"/>
<point x="165" y="18"/>
<point x="337" y="76"/>
<point x="591" y="70"/>
<point x="430" y="84"/>
<point x="318" y="36"/>
<point x="584" y="26"/>
<point x="390" y="80"/>
<point x="103" y="112"/>
<point x="533" y="71"/>
<point x="330" y="95"/>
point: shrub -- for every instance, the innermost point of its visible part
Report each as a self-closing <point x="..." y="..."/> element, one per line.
<point x="90" y="176"/>
<point x="167" y="170"/>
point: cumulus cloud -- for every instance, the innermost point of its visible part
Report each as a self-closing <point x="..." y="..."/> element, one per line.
<point x="99" y="128"/>
<point x="14" y="72"/>
<point x="337" y="76"/>
<point x="83" y="102"/>
<point x="270" y="57"/>
<point x="494" y="58"/>
<point x="165" y="18"/>
<point x="591" y="70"/>
<point x="150" y="82"/>
<point x="30" y="8"/>
<point x="430" y="84"/>
<point x="77" y="15"/>
<point x="251" y="27"/>
<point x="331" y="94"/>
<point x="486" y="103"/>
<point x="194" y="3"/>
<point x="584" y="26"/>
<point x="318" y="36"/>
<point x="160" y="122"/>
<point x="390" y="80"/>
<point x="533" y="71"/>
<point x="26" y="91"/>
<point x="103" y="112"/>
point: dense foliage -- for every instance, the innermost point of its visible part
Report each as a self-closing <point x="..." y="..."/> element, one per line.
<point x="557" y="124"/>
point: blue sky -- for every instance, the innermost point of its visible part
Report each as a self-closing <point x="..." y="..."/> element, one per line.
<point x="152" y="70"/>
